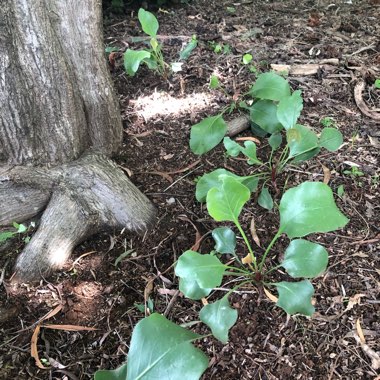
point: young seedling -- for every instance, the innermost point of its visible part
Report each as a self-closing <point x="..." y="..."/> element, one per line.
<point x="153" y="56"/>
<point x="305" y="209"/>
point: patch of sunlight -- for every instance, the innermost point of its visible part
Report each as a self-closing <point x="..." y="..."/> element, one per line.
<point x="163" y="104"/>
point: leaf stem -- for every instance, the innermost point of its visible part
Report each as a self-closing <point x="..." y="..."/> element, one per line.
<point x="278" y="234"/>
<point x="244" y="236"/>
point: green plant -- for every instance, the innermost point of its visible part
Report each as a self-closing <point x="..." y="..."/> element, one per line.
<point x="377" y="83"/>
<point x="328" y="122"/>
<point x="354" y="172"/>
<point x="159" y="348"/>
<point x="220" y="48"/>
<point x="19" y="229"/>
<point x="273" y="110"/>
<point x="153" y="56"/>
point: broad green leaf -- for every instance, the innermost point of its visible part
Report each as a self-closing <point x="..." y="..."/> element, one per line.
<point x="307" y="155"/>
<point x="265" y="199"/>
<point x="187" y="50"/>
<point x="190" y="288"/>
<point x="225" y="240"/>
<point x="225" y="203"/>
<point x="148" y="22"/>
<point x="275" y="141"/>
<point x="249" y="150"/>
<point x="289" y="109"/>
<point x="264" y="114"/>
<point x="214" y="82"/>
<point x="132" y="60"/>
<point x="214" y="179"/>
<point x="233" y="148"/>
<point x="220" y="317"/>
<point x="207" y="134"/>
<point x="162" y="350"/>
<point x="331" y="139"/>
<point x="305" y="259"/>
<point x="295" y="297"/>
<point x="113" y="374"/>
<point x="6" y="235"/>
<point x="309" y="208"/>
<point x="301" y="140"/>
<point x="270" y="86"/>
<point x="257" y="130"/>
<point x="206" y="270"/>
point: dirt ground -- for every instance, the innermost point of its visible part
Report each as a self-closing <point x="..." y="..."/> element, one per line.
<point x="265" y="343"/>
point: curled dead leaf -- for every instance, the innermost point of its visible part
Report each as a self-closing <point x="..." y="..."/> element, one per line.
<point x="271" y="296"/>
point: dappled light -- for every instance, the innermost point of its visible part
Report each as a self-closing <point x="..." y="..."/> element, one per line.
<point x="161" y="104"/>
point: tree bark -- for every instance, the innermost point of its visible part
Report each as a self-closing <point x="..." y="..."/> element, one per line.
<point x="59" y="124"/>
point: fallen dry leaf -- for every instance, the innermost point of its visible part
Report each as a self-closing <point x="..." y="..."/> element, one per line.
<point x="271" y="296"/>
<point x="69" y="327"/>
<point x="33" y="347"/>
<point x="254" y="232"/>
<point x="254" y="139"/>
<point x="326" y="174"/>
<point x="247" y="259"/>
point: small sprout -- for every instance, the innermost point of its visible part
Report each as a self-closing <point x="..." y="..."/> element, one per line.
<point x="247" y="58"/>
<point x="377" y="83"/>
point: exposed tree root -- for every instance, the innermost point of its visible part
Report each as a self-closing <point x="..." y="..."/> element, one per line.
<point x="87" y="196"/>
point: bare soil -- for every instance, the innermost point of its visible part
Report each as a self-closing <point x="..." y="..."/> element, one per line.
<point x="158" y="112"/>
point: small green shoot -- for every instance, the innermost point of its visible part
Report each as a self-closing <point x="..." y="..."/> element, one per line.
<point x="328" y="122"/>
<point x="247" y="58"/>
<point x="377" y="83"/>
<point x="354" y="172"/>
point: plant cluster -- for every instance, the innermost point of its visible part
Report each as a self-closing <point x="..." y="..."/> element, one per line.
<point x="152" y="56"/>
<point x="162" y="349"/>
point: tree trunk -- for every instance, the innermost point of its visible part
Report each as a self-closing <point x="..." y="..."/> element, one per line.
<point x="59" y="124"/>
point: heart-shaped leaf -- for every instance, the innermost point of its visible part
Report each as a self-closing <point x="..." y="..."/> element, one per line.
<point x="132" y="60"/>
<point x="270" y="86"/>
<point x="148" y="22"/>
<point x="331" y="139"/>
<point x="225" y="240"/>
<point x="300" y="140"/>
<point x="206" y="270"/>
<point x="220" y="317"/>
<point x="214" y="179"/>
<point x="305" y="259"/>
<point x="264" y="114"/>
<point x="161" y="349"/>
<point x="265" y="199"/>
<point x="295" y="297"/>
<point x="190" y="288"/>
<point x="225" y="203"/>
<point x="207" y="134"/>
<point x="309" y="208"/>
<point x="289" y="109"/>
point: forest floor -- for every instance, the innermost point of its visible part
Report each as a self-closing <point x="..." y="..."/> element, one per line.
<point x="265" y="343"/>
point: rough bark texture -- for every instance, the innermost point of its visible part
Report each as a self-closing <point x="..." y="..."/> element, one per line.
<point x="59" y="121"/>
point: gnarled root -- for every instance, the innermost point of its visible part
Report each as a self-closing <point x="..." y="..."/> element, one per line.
<point x="88" y="196"/>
